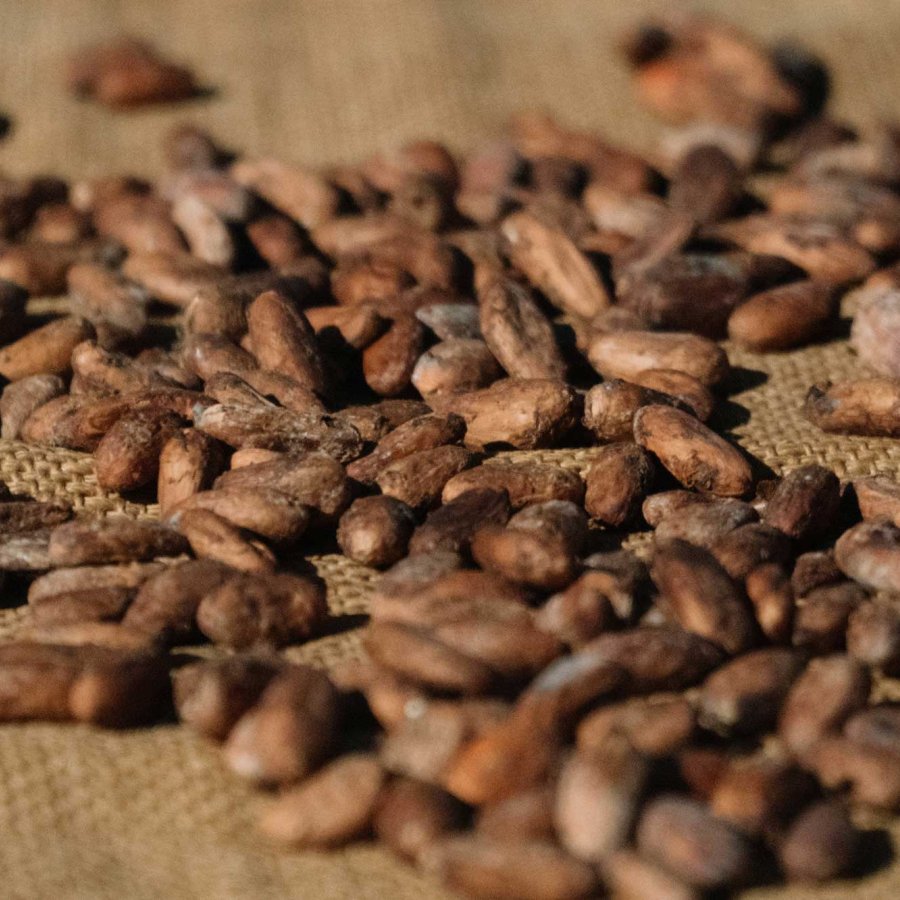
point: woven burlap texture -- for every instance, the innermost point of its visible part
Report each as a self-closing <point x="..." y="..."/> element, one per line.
<point x="153" y="814"/>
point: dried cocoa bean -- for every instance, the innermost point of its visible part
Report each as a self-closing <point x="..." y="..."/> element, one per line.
<point x="46" y="350"/>
<point x="452" y="525"/>
<point x="127" y="456"/>
<point x="212" y="695"/>
<point x="867" y="406"/>
<point x="701" y="596"/>
<point x="262" y="612"/>
<point x="804" y="502"/>
<point x="376" y="531"/>
<point x="745" y="695"/>
<point x="685" y="838"/>
<point x="522" y="413"/>
<point x="424" y="432"/>
<point x="654" y="726"/>
<point x="419" y="478"/>
<point x="289" y="732"/>
<point x="628" y="354"/>
<point x="165" y="605"/>
<point x="783" y="317"/>
<point x="213" y="537"/>
<point x="696" y="456"/>
<point x="821" y="699"/>
<point x="617" y="482"/>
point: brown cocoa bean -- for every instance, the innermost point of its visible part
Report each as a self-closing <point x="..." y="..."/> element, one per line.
<point x="871" y="773"/>
<point x="686" y="291"/>
<point x="769" y="590"/>
<point x="451" y="321"/>
<point x="452" y="525"/>
<point x="268" y="513"/>
<point x="689" y="390"/>
<point x="758" y="794"/>
<point x="627" y="354"/>
<point x="415" y="655"/>
<point x="87" y="684"/>
<point x="750" y="546"/>
<point x="418" y="478"/>
<point x="188" y="463"/>
<point x="454" y="365"/>
<point x="813" y="570"/>
<point x="821" y="699"/>
<point x="583" y="610"/>
<point x="299" y="193"/>
<point x="804" y="502"/>
<point x="655" y="659"/>
<point x="746" y="694"/>
<point x="631" y="877"/>
<point x="273" y="428"/>
<point x="617" y="482"/>
<point x="530" y="558"/>
<point x="870" y="554"/>
<point x="413" y="816"/>
<point x="18" y="516"/>
<point x="375" y="531"/>
<point x="529" y="870"/>
<point x="212" y="537"/>
<point x="310" y="479"/>
<point x="284" y="342"/>
<point x="526" y="815"/>
<point x="696" y="456"/>
<point x="517" y="332"/>
<point x="873" y="635"/>
<point x="525" y="483"/>
<point x="819" y="247"/>
<point x="430" y="733"/>
<point x="783" y="317"/>
<point x="211" y="695"/>
<point x="702" y="524"/>
<point x="609" y="408"/>
<point x="554" y="265"/>
<point x="46" y="350"/>
<point x="112" y="539"/>
<point x="127" y="456"/>
<point x="877" y="726"/>
<point x="330" y="808"/>
<point x="685" y="838"/>
<point x="878" y="497"/>
<point x="597" y="798"/>
<point x="127" y="72"/>
<point x="424" y="432"/>
<point x="821" y="844"/>
<point x="701" y="596"/>
<point x="25" y="552"/>
<point x="820" y="620"/>
<point x="866" y="406"/>
<point x="165" y="605"/>
<point x="21" y="398"/>
<point x="289" y="732"/>
<point x="521" y="413"/>
<point x="874" y="328"/>
<point x="267" y="611"/>
<point x="654" y="726"/>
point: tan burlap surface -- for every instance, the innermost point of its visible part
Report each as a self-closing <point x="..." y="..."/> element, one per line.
<point x="153" y="814"/>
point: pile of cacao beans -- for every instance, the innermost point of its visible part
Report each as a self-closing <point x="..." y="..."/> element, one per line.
<point x="293" y="362"/>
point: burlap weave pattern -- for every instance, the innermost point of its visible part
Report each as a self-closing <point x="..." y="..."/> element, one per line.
<point x="153" y="814"/>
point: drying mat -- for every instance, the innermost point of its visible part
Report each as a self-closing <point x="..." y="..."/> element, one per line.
<point x="94" y="815"/>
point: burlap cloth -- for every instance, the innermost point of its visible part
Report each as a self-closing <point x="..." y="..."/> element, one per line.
<point x="153" y="814"/>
